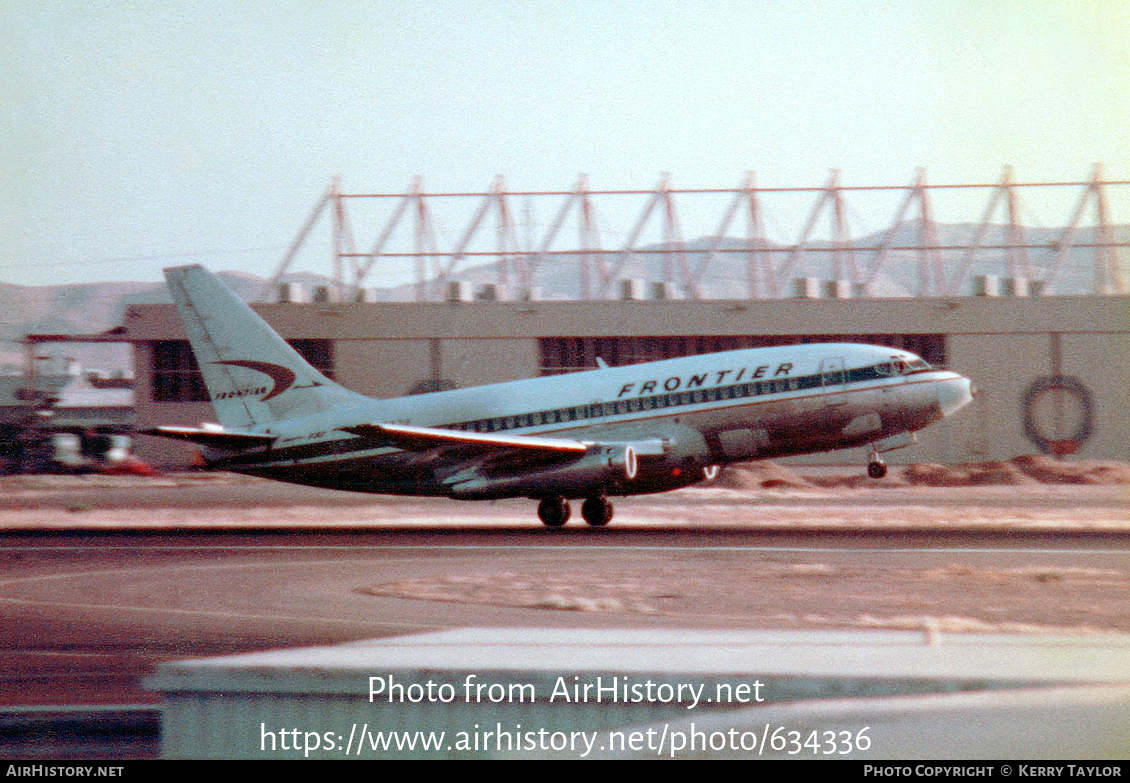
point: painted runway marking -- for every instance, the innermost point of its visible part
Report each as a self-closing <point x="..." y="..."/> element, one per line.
<point x="557" y="548"/>
<point x="567" y="552"/>
<point x="226" y="615"/>
<point x="158" y="570"/>
<point x="154" y="571"/>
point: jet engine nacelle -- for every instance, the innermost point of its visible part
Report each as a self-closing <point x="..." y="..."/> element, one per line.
<point x="665" y="475"/>
<point x="602" y="469"/>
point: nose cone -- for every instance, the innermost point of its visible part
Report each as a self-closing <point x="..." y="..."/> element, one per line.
<point x="954" y="394"/>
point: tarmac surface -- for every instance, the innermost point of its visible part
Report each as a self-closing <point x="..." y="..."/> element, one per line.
<point x="104" y="578"/>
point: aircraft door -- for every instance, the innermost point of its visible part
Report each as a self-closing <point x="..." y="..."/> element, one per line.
<point x="832" y="379"/>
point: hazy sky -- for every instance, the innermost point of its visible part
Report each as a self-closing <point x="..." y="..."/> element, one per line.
<point x="135" y="135"/>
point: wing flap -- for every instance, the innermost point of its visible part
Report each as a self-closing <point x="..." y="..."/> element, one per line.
<point x="413" y="438"/>
<point x="218" y="439"/>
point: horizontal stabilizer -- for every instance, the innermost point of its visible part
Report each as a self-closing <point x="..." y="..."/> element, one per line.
<point x="218" y="439"/>
<point x="423" y="438"/>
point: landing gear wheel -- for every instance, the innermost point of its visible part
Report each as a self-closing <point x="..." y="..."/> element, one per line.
<point x="876" y="469"/>
<point x="597" y="511"/>
<point x="554" y="512"/>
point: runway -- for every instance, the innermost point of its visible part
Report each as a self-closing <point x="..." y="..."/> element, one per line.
<point x="102" y="578"/>
<point x="87" y="616"/>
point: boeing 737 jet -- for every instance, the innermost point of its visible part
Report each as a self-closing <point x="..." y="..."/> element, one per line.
<point x="610" y="431"/>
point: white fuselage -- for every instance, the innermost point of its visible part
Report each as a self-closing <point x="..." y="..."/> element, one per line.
<point x="682" y="415"/>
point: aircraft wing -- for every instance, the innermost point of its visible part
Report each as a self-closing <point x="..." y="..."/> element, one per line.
<point x="219" y="439"/>
<point x="479" y="465"/>
<point x="412" y="438"/>
<point x="499" y="453"/>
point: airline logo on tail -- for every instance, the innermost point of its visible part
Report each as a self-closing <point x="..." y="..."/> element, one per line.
<point x="282" y="378"/>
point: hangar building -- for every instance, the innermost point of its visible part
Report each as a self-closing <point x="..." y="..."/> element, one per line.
<point x="1053" y="371"/>
<point x="1051" y="357"/>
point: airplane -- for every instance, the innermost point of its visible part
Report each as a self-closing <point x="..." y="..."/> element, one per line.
<point x="609" y="431"/>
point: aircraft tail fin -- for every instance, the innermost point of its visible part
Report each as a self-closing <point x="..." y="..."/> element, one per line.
<point x="252" y="375"/>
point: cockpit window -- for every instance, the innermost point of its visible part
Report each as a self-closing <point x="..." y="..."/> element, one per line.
<point x="901" y="366"/>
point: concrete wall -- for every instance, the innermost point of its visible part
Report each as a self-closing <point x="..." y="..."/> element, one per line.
<point x="392" y="368"/>
<point x="1102" y="361"/>
<point x="479" y="362"/>
<point x="1002" y="366"/>
<point x="381" y="368"/>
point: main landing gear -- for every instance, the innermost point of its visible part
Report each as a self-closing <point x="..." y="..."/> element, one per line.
<point x="597" y="511"/>
<point x="876" y="468"/>
<point x="555" y="511"/>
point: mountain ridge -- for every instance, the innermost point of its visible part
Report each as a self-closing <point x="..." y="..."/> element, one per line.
<point x="95" y="307"/>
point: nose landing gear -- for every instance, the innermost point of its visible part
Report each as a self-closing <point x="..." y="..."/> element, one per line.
<point x="876" y="468"/>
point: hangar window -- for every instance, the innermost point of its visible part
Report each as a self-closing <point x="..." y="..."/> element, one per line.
<point x="570" y="354"/>
<point x="176" y="376"/>
<point x="320" y="354"/>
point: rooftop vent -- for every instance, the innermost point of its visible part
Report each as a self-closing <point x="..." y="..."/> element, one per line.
<point x="290" y="292"/>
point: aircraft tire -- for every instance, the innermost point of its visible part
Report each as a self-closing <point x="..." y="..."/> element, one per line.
<point x="877" y="469"/>
<point x="597" y="511"/>
<point x="554" y="511"/>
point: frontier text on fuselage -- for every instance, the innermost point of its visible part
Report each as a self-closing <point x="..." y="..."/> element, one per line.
<point x="674" y="383"/>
